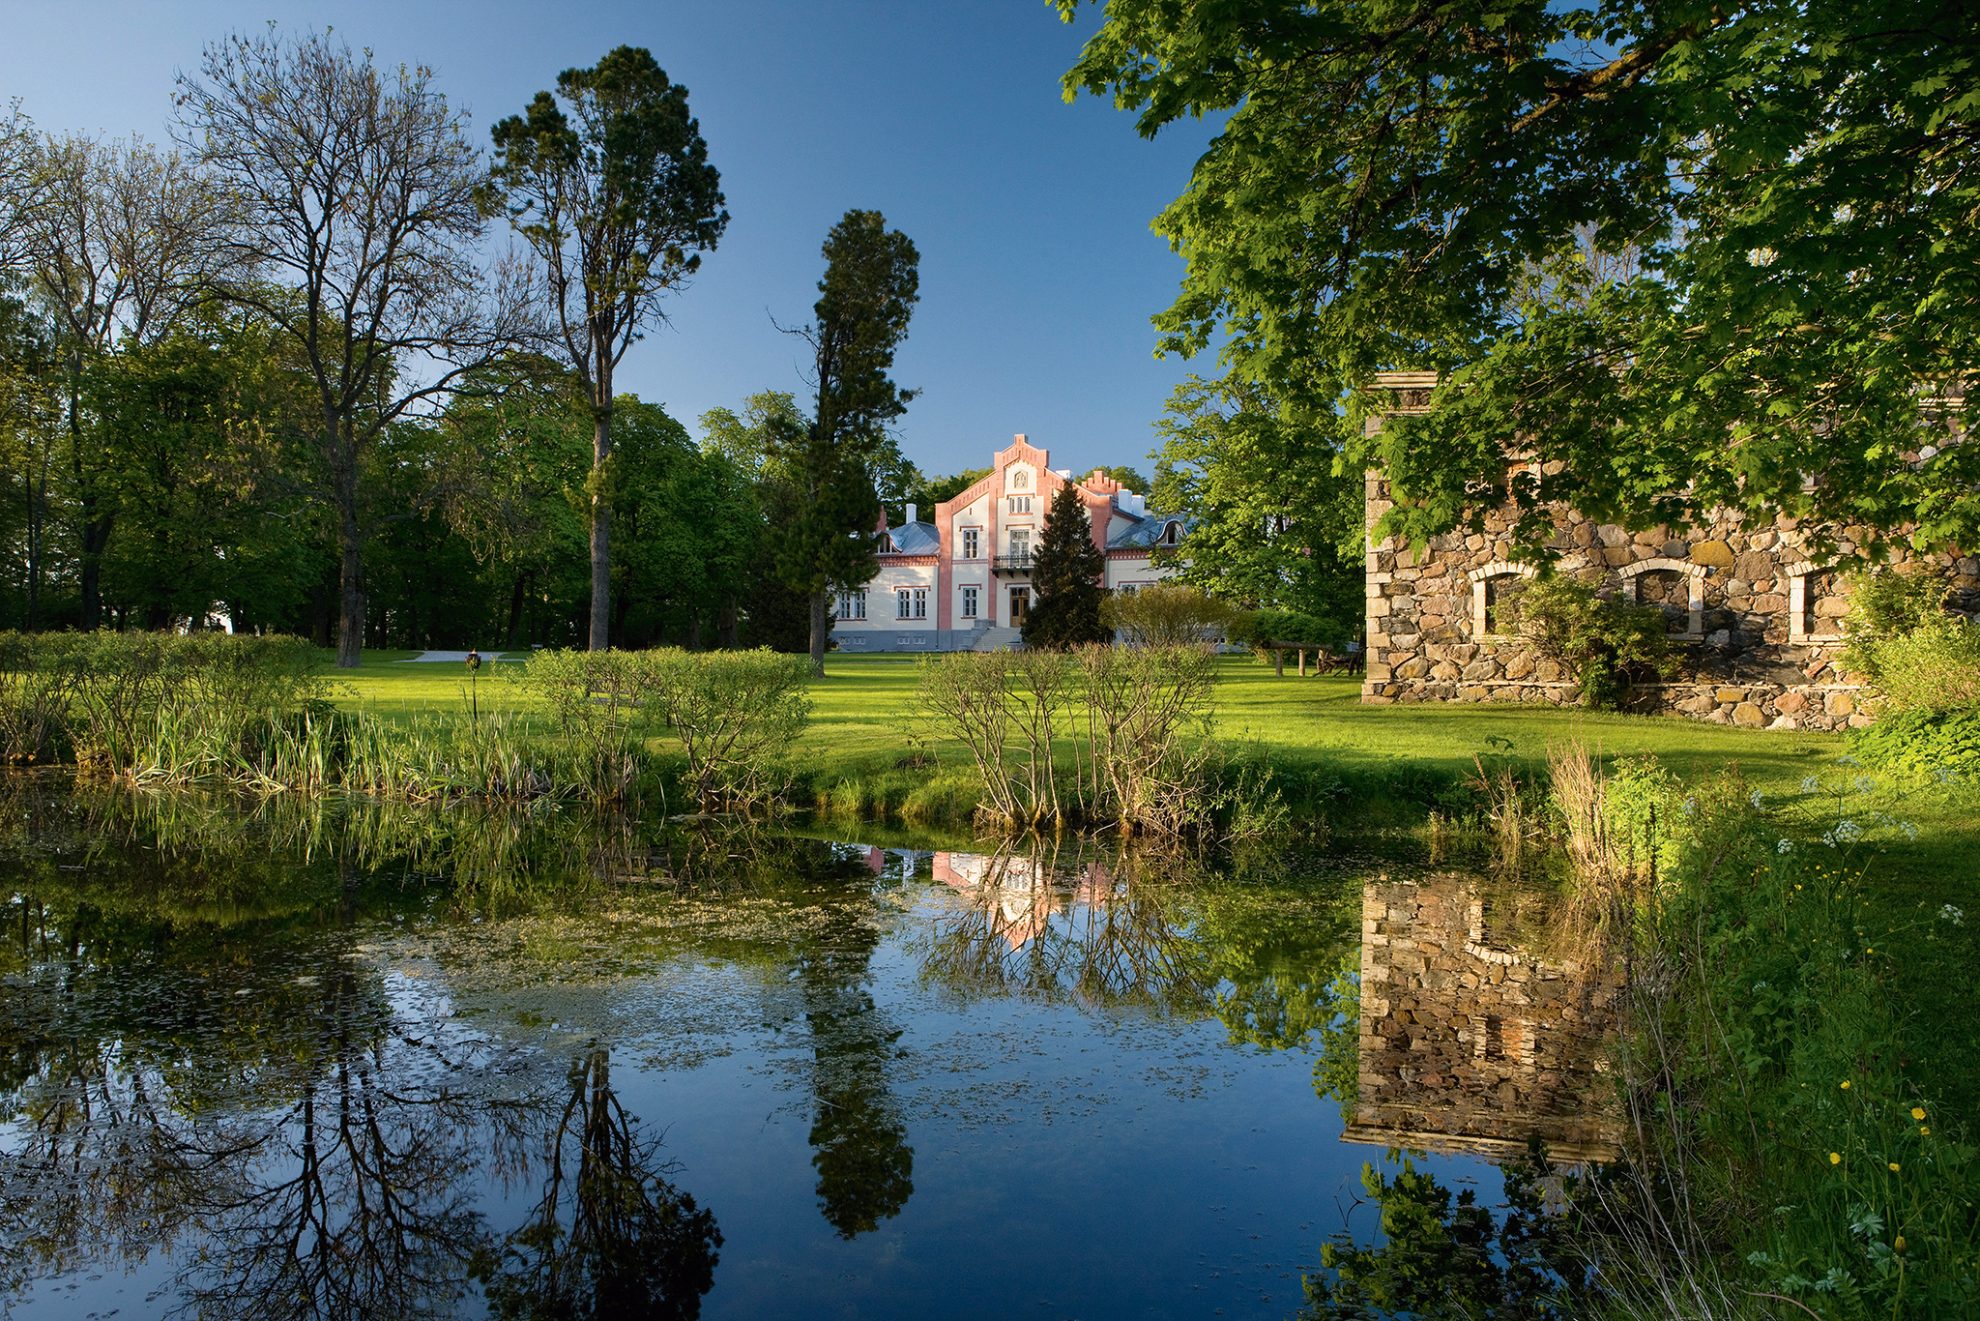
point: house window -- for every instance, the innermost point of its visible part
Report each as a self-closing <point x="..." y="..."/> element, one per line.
<point x="972" y="544"/>
<point x="1020" y="504"/>
<point x="852" y="605"/>
<point x="1815" y="603"/>
<point x="969" y="603"/>
<point x="1021" y="544"/>
<point x="1128" y="589"/>
<point x="1171" y="534"/>
<point x="1676" y="586"/>
<point x="1494" y="587"/>
<point x="903" y="602"/>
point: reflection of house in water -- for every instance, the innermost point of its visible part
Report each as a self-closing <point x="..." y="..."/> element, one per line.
<point x="1020" y="894"/>
<point x="1470" y="1043"/>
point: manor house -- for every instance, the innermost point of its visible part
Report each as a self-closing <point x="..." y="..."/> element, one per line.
<point x="1756" y="608"/>
<point x="963" y="581"/>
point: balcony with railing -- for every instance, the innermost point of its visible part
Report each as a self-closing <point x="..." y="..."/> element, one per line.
<point x="1019" y="563"/>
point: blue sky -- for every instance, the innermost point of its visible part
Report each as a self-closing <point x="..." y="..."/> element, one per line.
<point x="1038" y="269"/>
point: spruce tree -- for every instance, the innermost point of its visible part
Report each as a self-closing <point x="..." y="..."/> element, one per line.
<point x="1066" y="575"/>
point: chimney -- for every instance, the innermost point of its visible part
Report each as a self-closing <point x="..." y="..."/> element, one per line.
<point x="911" y="511"/>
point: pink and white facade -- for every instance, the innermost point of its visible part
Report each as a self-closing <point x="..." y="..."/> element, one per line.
<point x="963" y="581"/>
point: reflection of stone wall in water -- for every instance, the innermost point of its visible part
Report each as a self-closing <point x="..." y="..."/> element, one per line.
<point x="1469" y="1043"/>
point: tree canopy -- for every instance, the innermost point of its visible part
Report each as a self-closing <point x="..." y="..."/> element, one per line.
<point x="1687" y="255"/>
<point x="865" y="298"/>
<point x="618" y="200"/>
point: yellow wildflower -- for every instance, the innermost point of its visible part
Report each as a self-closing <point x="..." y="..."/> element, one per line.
<point x="1898" y="1243"/>
<point x="1917" y="1112"/>
<point x="1895" y="1167"/>
<point x="1924" y="1131"/>
<point x="1835" y="1158"/>
<point x="1845" y="1084"/>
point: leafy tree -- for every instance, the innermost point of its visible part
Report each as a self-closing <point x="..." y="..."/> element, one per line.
<point x="619" y="202"/>
<point x="769" y="610"/>
<point x="869" y="290"/>
<point x="506" y="470"/>
<point x="119" y="241"/>
<point x="1690" y="255"/>
<point x="1066" y="573"/>
<point x="356" y="193"/>
<point x="1275" y="517"/>
<point x="201" y="477"/>
<point x="1131" y="478"/>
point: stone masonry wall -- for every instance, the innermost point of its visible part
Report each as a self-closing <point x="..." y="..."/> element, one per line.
<point x="1755" y="611"/>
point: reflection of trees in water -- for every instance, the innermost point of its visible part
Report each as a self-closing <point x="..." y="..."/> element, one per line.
<point x="193" y="1059"/>
<point x="608" y="1235"/>
<point x="858" y="1133"/>
<point x="357" y="1200"/>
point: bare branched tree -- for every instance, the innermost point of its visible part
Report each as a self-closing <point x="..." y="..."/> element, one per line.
<point x="357" y="232"/>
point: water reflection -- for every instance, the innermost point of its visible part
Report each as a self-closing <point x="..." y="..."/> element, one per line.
<point x="1483" y="1025"/>
<point x="337" y="1060"/>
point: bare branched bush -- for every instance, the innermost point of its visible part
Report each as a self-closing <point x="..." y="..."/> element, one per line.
<point x="1098" y="736"/>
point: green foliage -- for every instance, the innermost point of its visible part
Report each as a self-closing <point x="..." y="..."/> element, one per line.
<point x="151" y="706"/>
<point x="1921" y="741"/>
<point x="1166" y="615"/>
<point x="1652" y="242"/>
<point x="1782" y="1070"/>
<point x="1275" y="516"/>
<point x="1100" y="735"/>
<point x="1066" y="572"/>
<point x="736" y="715"/>
<point x="1260" y="628"/>
<point x="1602" y="643"/>
<point x="831" y="462"/>
<point x="1643" y="817"/>
<point x="1932" y="668"/>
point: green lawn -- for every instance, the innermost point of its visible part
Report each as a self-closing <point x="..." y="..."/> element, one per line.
<point x="864" y="721"/>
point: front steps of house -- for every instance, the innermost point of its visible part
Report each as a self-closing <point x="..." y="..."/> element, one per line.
<point x="994" y="639"/>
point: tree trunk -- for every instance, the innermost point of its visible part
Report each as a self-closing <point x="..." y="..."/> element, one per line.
<point x="601" y="521"/>
<point x="821" y="626"/>
<point x="515" y="611"/>
<point x="730" y="628"/>
<point x="350" y="569"/>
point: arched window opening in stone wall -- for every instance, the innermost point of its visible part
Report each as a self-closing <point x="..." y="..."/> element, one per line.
<point x="1817" y="603"/>
<point x="1495" y="589"/>
<point x="1677" y="587"/>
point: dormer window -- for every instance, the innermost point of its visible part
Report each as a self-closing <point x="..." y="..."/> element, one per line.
<point x="1171" y="534"/>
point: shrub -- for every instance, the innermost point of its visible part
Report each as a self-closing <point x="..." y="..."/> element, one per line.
<point x="1137" y="720"/>
<point x="736" y="714"/>
<point x="602" y="703"/>
<point x="1166" y="615"/>
<point x="1934" y="667"/>
<point x="1923" y="742"/>
<point x="1604" y="645"/>
<point x="151" y="705"/>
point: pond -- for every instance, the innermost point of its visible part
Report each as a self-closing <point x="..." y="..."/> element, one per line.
<point x="276" y="1060"/>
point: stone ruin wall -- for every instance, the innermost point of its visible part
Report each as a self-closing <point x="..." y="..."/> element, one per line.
<point x="1756" y="616"/>
<point x="1469" y="1042"/>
